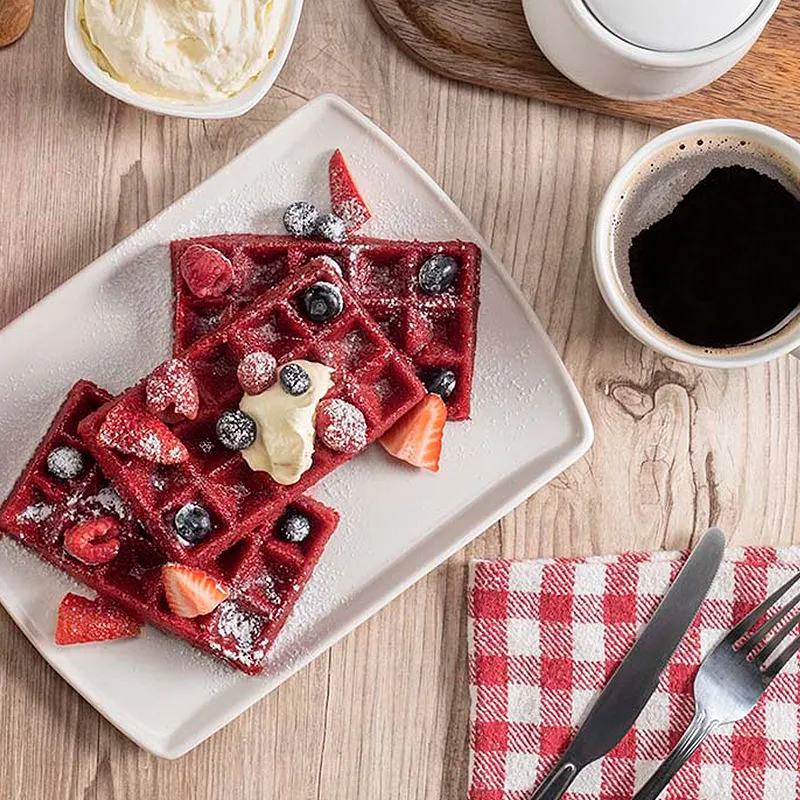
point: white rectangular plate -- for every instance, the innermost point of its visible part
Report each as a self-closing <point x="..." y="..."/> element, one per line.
<point x="112" y="323"/>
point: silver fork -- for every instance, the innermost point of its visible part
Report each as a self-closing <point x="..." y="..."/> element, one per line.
<point x="731" y="680"/>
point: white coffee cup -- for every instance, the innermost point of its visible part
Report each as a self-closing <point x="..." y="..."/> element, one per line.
<point x="648" y="187"/>
<point x="645" y="49"/>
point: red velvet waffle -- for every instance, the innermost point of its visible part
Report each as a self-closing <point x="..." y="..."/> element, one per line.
<point x="434" y="330"/>
<point x="369" y="373"/>
<point x="265" y="575"/>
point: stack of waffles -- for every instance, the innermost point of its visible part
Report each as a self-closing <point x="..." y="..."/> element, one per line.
<point x="145" y="498"/>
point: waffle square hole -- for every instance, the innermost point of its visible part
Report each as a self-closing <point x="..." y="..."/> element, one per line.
<point x="215" y="373"/>
<point x="358" y="348"/>
<point x="169" y="483"/>
<point x="274" y="582"/>
<point x="390" y="321"/>
<point x="275" y="331"/>
<point x="250" y="490"/>
<point x="201" y="318"/>
<point x="33" y="509"/>
<point x="231" y="562"/>
<point x="261" y="269"/>
<point x="447" y="328"/>
<point x="135" y="568"/>
<point x="391" y="391"/>
<point x="200" y="438"/>
<point x="381" y="274"/>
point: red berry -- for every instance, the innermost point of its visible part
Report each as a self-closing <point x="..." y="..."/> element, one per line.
<point x="256" y="372"/>
<point x="83" y="620"/>
<point x="172" y="384"/>
<point x="207" y="272"/>
<point x="417" y="437"/>
<point x="341" y="426"/>
<point x="190" y="591"/>
<point x="346" y="200"/>
<point x="141" y="434"/>
<point x="93" y="542"/>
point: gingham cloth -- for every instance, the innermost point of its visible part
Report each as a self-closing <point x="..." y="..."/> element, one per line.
<point x="544" y="636"/>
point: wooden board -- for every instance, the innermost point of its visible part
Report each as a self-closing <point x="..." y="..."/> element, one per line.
<point x="490" y="45"/>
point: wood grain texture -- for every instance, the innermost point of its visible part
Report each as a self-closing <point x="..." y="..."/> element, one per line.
<point x="494" y="48"/>
<point x="384" y="713"/>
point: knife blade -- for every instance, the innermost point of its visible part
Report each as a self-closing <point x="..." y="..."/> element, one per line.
<point x="636" y="678"/>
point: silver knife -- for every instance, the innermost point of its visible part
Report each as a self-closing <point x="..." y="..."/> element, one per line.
<point x="636" y="678"/>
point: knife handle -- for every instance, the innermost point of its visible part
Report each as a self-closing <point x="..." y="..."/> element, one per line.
<point x="558" y="781"/>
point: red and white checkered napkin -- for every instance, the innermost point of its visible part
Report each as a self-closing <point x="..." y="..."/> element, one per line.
<point x="544" y="636"/>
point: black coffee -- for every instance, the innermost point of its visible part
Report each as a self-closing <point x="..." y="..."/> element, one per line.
<point x="724" y="266"/>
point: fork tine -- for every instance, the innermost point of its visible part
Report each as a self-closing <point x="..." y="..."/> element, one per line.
<point x="776" y="641"/>
<point x="761" y="634"/>
<point x="783" y="659"/>
<point x="745" y="624"/>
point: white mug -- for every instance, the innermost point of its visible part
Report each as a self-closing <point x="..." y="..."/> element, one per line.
<point x="590" y="54"/>
<point x="619" y="215"/>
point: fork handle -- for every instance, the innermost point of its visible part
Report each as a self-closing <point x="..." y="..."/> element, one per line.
<point x="692" y="738"/>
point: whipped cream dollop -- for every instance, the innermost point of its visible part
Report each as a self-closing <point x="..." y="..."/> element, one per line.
<point x="284" y="443"/>
<point x="183" y="49"/>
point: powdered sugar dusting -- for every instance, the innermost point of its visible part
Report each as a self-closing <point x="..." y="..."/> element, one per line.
<point x="36" y="512"/>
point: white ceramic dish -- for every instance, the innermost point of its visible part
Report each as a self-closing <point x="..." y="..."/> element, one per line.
<point x="111" y="323"/>
<point x="218" y="109"/>
<point x="590" y="54"/>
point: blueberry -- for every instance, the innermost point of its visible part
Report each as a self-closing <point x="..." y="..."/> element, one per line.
<point x="300" y="219"/>
<point x="236" y="430"/>
<point x="331" y="228"/>
<point x="437" y="274"/>
<point x="322" y="301"/>
<point x="294" y="380"/>
<point x="192" y="523"/>
<point x="440" y="381"/>
<point x="294" y="527"/>
<point x="65" y="463"/>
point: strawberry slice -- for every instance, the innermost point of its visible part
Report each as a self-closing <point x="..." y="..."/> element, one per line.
<point x="207" y="272"/>
<point x="140" y="434"/>
<point x="172" y="384"/>
<point x="83" y="620"/>
<point x="417" y="437"/>
<point x="93" y="542"/>
<point x="346" y="200"/>
<point x="191" y="592"/>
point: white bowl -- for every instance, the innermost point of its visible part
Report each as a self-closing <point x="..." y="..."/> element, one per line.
<point x="234" y="106"/>
<point x="589" y="54"/>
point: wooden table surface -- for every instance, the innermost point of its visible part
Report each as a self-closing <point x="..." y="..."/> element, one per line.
<point x="384" y="713"/>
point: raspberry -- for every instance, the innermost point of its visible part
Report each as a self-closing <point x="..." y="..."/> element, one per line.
<point x="93" y="542"/>
<point x="341" y="426"/>
<point x="172" y="384"/>
<point x="256" y="372"/>
<point x="207" y="272"/>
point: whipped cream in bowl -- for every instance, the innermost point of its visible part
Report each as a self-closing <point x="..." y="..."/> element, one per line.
<point x="190" y="58"/>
